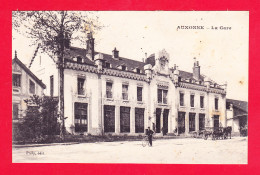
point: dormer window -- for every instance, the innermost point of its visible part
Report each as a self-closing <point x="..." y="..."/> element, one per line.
<point x="107" y="65"/>
<point x="79" y="59"/>
<point x="138" y="71"/>
<point x="123" y="67"/>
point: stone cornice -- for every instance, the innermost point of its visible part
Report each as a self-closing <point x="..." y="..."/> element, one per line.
<point x="81" y="67"/>
<point x="201" y="88"/>
<point x="105" y="71"/>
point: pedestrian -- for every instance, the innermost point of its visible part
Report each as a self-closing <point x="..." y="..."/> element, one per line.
<point x="150" y="136"/>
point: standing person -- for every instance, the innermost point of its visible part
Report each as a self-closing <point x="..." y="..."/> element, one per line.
<point x="150" y="136"/>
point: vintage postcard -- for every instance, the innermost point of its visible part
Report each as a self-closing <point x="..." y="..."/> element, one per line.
<point x="153" y="87"/>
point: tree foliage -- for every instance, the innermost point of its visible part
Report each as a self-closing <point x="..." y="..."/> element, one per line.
<point x="41" y="120"/>
<point x="47" y="28"/>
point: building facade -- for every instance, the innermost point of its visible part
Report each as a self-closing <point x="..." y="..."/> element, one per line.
<point x="24" y="85"/>
<point x="237" y="115"/>
<point x="106" y="93"/>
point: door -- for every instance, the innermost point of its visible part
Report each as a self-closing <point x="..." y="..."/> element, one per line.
<point x="124" y="119"/>
<point x="139" y="120"/>
<point x="191" y="122"/>
<point x="181" y="122"/>
<point x="165" y="120"/>
<point x="216" y="121"/>
<point x="158" y="120"/>
<point x="109" y="118"/>
<point x="201" y="121"/>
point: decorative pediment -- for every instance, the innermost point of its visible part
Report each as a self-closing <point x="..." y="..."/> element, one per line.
<point x="163" y="84"/>
<point x="164" y="55"/>
<point x="162" y="63"/>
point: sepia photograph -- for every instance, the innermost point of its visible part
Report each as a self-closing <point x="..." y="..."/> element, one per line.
<point x="139" y="87"/>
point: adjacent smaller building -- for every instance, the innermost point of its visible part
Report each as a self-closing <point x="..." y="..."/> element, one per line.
<point x="237" y="114"/>
<point x="24" y="85"/>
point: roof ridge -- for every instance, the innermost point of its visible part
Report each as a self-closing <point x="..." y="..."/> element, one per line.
<point x="19" y="62"/>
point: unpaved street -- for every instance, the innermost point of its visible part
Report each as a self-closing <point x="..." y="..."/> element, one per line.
<point x="172" y="151"/>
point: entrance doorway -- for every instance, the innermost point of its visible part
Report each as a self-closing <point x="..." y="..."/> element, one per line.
<point x="201" y="122"/>
<point x="181" y="122"/>
<point x="216" y="121"/>
<point x="109" y="118"/>
<point x="191" y="122"/>
<point x="158" y="120"/>
<point x="165" y="120"/>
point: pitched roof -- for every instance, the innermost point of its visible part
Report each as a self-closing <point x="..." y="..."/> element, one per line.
<point x="243" y="105"/>
<point x="129" y="63"/>
<point x="16" y="60"/>
<point x="115" y="63"/>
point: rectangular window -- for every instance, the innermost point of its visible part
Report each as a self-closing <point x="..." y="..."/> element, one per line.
<point x="191" y="122"/>
<point x="139" y="120"/>
<point x="191" y="100"/>
<point x="125" y="92"/>
<point x="159" y="94"/>
<point x="109" y="118"/>
<point x="201" y="121"/>
<point x="107" y="65"/>
<point x="124" y="119"/>
<point x="109" y="90"/>
<point x="139" y="94"/>
<point x="123" y="67"/>
<point x="162" y="96"/>
<point x="216" y="103"/>
<point x="51" y="85"/>
<point x="16" y="80"/>
<point x="15" y="111"/>
<point x="32" y="87"/>
<point x="165" y="92"/>
<point x="81" y="117"/>
<point x="81" y="89"/>
<point x="201" y="101"/>
<point x="181" y="99"/>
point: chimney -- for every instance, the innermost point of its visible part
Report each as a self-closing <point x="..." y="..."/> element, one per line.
<point x="90" y="52"/>
<point x="196" y="70"/>
<point x="115" y="53"/>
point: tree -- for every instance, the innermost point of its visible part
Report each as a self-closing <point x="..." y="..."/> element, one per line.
<point x="41" y="119"/>
<point x="51" y="30"/>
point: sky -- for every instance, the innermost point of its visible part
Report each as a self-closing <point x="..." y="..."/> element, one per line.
<point x="222" y="54"/>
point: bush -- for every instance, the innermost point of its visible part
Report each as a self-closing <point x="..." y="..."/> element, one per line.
<point x="40" y="122"/>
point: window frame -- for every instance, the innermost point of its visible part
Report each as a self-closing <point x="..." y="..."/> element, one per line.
<point x="192" y="100"/>
<point x="14" y="82"/>
<point x="139" y="97"/>
<point x="81" y="123"/>
<point x="216" y="103"/>
<point x="30" y="90"/>
<point x="81" y="88"/>
<point x="161" y="98"/>
<point x="109" y="94"/>
<point x="125" y="94"/>
<point x="202" y="104"/>
<point x="182" y="100"/>
<point x="13" y="111"/>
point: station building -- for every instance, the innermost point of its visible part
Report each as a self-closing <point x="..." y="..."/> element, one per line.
<point x="109" y="94"/>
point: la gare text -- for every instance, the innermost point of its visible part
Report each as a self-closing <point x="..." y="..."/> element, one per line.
<point x="203" y="27"/>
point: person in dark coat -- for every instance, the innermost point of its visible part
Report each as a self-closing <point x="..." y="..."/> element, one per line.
<point x="150" y="136"/>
